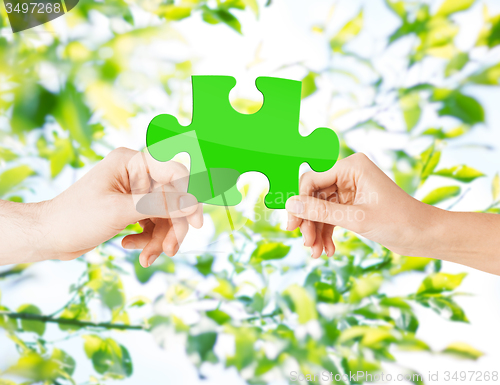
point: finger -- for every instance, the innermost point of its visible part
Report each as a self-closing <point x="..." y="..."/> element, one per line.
<point x="161" y="203"/>
<point x="313" y="181"/>
<point x="319" y="210"/>
<point x="154" y="247"/>
<point x="170" y="172"/>
<point x="293" y="222"/>
<point x="139" y="241"/>
<point x="308" y="230"/>
<point x="175" y="236"/>
<point x="317" y="247"/>
<point x="157" y="188"/>
<point x="328" y="244"/>
<point x="329" y="193"/>
<point x="196" y="219"/>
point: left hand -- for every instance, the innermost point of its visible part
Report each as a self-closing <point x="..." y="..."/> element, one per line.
<point x="104" y="201"/>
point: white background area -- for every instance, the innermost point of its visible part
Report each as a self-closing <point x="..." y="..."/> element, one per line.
<point x="284" y="36"/>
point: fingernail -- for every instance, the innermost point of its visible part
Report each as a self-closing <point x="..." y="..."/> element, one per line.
<point x="151" y="259"/>
<point x="187" y="201"/>
<point x="295" y="206"/>
<point x="129" y="245"/>
<point x="305" y="239"/>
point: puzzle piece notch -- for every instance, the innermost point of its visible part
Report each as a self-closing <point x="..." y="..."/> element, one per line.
<point x="267" y="141"/>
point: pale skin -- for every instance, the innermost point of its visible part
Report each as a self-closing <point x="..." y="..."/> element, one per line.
<point x="356" y="195"/>
<point x="98" y="207"/>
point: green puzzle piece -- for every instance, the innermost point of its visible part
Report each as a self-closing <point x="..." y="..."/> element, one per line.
<point x="223" y="143"/>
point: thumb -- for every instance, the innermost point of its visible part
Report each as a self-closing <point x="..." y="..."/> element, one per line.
<point x="161" y="204"/>
<point x="320" y="210"/>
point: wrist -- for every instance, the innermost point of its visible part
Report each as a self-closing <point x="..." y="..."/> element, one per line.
<point x="429" y="231"/>
<point x="43" y="244"/>
<point x="24" y="232"/>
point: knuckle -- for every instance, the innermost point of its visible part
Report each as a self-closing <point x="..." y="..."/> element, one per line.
<point x="306" y="179"/>
<point x="318" y="211"/>
<point x="324" y="212"/>
<point x="360" y="157"/>
<point x="119" y="154"/>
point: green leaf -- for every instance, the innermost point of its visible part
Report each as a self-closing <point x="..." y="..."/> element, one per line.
<point x="441" y="194"/>
<point x="364" y="287"/>
<point x="33" y="366"/>
<point x="439" y="282"/>
<point x="215" y="16"/>
<point x="91" y="344"/>
<point x="73" y="115"/>
<point x="158" y="320"/>
<point x="202" y="344"/>
<point x="495" y="187"/>
<point x="108" y="357"/>
<point x="439" y="133"/>
<point x="267" y="251"/>
<point x="204" y="264"/>
<point x="162" y="264"/>
<point x="430" y="159"/>
<point x="244" y="354"/>
<point x="456" y="64"/>
<point x="140" y="302"/>
<point x="463" y="107"/>
<point x="409" y="342"/>
<point x="7" y="323"/>
<point x="31" y="326"/>
<point x="493" y="38"/>
<point x="309" y="86"/>
<point x="463" y="350"/>
<point x="225" y="288"/>
<point x="7" y="155"/>
<point x="487" y="77"/>
<point x="326" y="292"/>
<point x="111" y="293"/>
<point x="411" y="264"/>
<point x="444" y="306"/>
<point x="397" y="302"/>
<point x="348" y="32"/>
<point x="410" y="105"/>
<point x="64" y="361"/>
<point x="32" y="104"/>
<point x="218" y="316"/>
<point x="77" y="312"/>
<point x="174" y="12"/>
<point x="408" y="321"/>
<point x="405" y="172"/>
<point x="461" y="173"/>
<point x="13" y="177"/>
<point x="398" y="7"/>
<point x="452" y="6"/>
<point x="302" y="302"/>
<point x="61" y="155"/>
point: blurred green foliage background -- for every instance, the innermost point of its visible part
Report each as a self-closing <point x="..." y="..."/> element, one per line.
<point x="62" y="94"/>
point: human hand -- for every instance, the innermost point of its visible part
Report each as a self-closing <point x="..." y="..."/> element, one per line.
<point x="357" y="195"/>
<point x="105" y="200"/>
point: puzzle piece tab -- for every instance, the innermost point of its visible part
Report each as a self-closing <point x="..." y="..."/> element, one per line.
<point x="223" y="143"/>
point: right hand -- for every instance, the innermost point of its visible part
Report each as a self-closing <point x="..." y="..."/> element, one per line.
<point x="356" y="195"/>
